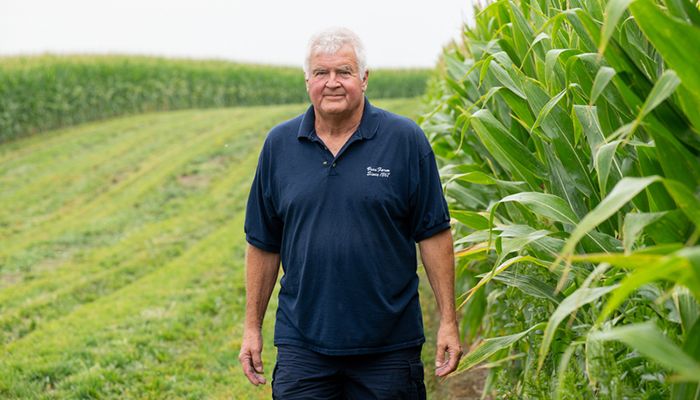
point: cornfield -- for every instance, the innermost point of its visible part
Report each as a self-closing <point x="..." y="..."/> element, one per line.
<point x="48" y="92"/>
<point x="568" y="135"/>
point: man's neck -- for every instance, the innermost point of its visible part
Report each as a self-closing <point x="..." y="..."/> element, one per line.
<point x="338" y="125"/>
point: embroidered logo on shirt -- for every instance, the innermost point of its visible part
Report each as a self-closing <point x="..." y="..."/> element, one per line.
<point x="378" y="172"/>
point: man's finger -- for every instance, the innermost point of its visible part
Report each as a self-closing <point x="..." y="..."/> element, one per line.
<point x="258" y="366"/>
<point x="454" y="359"/>
<point x="440" y="355"/>
<point x="249" y="371"/>
<point x="453" y="356"/>
<point x="257" y="362"/>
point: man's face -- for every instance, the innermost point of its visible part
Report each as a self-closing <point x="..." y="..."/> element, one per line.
<point x="334" y="84"/>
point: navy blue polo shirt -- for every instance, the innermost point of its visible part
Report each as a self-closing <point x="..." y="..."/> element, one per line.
<point x="346" y="229"/>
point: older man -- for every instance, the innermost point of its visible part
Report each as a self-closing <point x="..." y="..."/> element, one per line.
<point x="341" y="195"/>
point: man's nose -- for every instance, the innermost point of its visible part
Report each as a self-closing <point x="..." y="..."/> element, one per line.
<point x="332" y="80"/>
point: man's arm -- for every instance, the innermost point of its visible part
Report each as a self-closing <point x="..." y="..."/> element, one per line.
<point x="262" y="268"/>
<point x="437" y="254"/>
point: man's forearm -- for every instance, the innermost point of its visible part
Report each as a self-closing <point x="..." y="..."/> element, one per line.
<point x="437" y="253"/>
<point x="262" y="268"/>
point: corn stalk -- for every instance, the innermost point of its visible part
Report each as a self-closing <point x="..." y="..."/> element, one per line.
<point x="568" y="134"/>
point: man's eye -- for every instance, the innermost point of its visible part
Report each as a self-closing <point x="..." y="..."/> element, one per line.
<point x="345" y="73"/>
<point x="320" y="73"/>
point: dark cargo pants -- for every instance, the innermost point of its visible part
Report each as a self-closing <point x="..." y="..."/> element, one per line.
<point x="304" y="374"/>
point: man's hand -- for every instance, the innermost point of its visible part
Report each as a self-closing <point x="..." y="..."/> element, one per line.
<point x="447" y="342"/>
<point x="250" y="357"/>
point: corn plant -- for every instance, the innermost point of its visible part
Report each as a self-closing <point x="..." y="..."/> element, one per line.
<point x="47" y="92"/>
<point x="568" y="134"/>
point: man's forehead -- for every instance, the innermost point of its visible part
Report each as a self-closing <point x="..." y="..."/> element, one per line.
<point x="321" y="65"/>
<point x="344" y="56"/>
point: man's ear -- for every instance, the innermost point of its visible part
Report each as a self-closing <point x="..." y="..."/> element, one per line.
<point x="364" y="80"/>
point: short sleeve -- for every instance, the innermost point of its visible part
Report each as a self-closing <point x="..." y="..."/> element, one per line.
<point x="263" y="227"/>
<point x="429" y="212"/>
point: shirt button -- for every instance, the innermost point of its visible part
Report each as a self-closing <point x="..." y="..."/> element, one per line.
<point x="325" y="163"/>
<point x="334" y="164"/>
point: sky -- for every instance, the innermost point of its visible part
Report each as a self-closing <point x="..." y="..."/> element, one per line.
<point x="395" y="33"/>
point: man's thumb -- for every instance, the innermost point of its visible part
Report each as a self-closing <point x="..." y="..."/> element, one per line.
<point x="440" y="356"/>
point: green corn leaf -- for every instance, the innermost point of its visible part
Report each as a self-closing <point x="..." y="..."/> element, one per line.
<point x="545" y="205"/>
<point x="647" y="267"/>
<point x="648" y="340"/>
<point x="529" y="285"/>
<point x="475" y="177"/>
<point x="669" y="268"/>
<point x="544" y="111"/>
<point x="622" y="193"/>
<point x="602" y="78"/>
<point x="662" y="89"/>
<point x="603" y="161"/>
<point x="489" y="347"/>
<point x="505" y="148"/>
<point x="634" y="225"/>
<point x="691" y="347"/>
<point x="515" y="243"/>
<point x="571" y="303"/>
<point x="687" y="307"/>
<point x="471" y="219"/>
<point x="500" y="268"/>
<point x="550" y="63"/>
<point x="664" y="32"/>
<point x="502" y="76"/>
<point x="561" y="370"/>
<point x="613" y="12"/>
<point x="685" y="199"/>
<point x="588" y="118"/>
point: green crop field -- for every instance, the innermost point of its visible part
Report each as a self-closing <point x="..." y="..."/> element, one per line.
<point x="569" y="138"/>
<point x="39" y="93"/>
<point x="121" y="265"/>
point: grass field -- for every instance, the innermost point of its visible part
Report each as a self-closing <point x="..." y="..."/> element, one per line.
<point x="121" y="264"/>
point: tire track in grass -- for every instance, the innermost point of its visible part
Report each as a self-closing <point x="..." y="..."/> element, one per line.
<point x="140" y="216"/>
<point x="122" y="195"/>
<point x="135" y="238"/>
<point x="78" y="206"/>
<point x="67" y="346"/>
<point x="60" y="138"/>
<point x="57" y="294"/>
<point x="50" y="179"/>
<point x="192" y="351"/>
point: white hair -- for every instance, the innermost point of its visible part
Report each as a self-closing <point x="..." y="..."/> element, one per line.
<point x="330" y="41"/>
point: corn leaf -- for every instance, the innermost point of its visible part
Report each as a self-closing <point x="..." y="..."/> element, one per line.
<point x="648" y="340"/>
<point x="571" y="303"/>
<point x="489" y="347"/>
<point x="663" y="31"/>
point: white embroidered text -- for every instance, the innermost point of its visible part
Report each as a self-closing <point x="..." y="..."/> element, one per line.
<point x="378" y="172"/>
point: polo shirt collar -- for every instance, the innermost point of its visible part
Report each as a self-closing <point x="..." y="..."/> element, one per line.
<point x="369" y="123"/>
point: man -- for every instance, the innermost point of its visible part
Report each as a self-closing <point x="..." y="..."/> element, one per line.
<point x="341" y="195"/>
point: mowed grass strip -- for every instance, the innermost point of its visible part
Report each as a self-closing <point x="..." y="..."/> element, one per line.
<point x="134" y="181"/>
<point x="147" y="301"/>
<point x="184" y="207"/>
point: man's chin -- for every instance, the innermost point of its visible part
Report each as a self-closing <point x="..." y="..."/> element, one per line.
<point x="331" y="110"/>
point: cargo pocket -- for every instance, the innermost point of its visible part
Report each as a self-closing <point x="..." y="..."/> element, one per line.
<point x="417" y="384"/>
